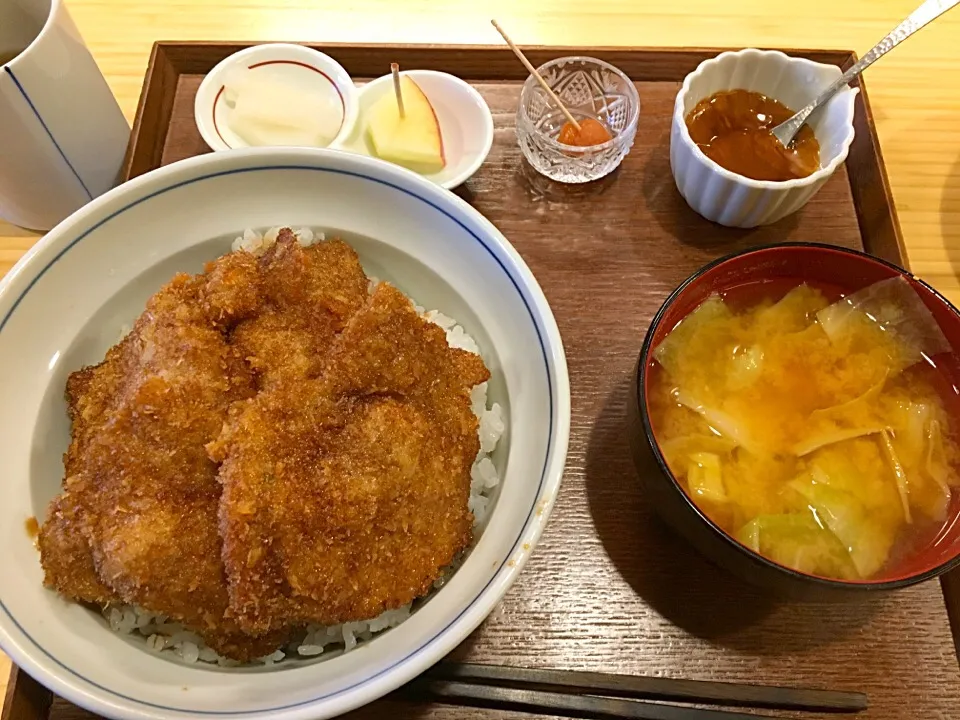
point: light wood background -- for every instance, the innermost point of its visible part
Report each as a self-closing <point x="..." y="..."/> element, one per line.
<point x="915" y="92"/>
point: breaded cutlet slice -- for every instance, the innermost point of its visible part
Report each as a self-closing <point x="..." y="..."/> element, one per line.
<point x="91" y="394"/>
<point x="65" y="553"/>
<point x="306" y="296"/>
<point x="146" y="492"/>
<point x="347" y="495"/>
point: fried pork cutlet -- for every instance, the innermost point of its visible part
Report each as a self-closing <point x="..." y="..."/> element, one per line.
<point x="92" y="394"/>
<point x="346" y="495"/>
<point x="306" y="297"/>
<point x="344" y="425"/>
<point x="65" y="553"/>
<point x="141" y="487"/>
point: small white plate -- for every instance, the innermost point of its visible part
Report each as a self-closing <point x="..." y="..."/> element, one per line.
<point x="300" y="65"/>
<point x="466" y="124"/>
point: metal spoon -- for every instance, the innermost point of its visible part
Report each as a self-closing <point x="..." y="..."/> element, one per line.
<point x="923" y="15"/>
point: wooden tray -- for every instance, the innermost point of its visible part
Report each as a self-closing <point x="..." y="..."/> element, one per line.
<point x="610" y="588"/>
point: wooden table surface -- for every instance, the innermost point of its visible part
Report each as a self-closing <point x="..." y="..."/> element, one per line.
<point x="915" y="92"/>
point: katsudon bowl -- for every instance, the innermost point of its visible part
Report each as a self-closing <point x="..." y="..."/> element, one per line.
<point x="64" y="305"/>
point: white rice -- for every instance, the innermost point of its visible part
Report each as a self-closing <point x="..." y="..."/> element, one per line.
<point x="166" y="637"/>
<point x="258" y="243"/>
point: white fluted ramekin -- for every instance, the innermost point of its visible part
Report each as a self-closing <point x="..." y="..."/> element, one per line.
<point x="731" y="199"/>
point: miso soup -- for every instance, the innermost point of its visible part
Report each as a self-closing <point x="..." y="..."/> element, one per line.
<point x="811" y="427"/>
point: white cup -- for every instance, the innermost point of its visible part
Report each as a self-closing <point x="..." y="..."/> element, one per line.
<point x="737" y="201"/>
<point x="62" y="134"/>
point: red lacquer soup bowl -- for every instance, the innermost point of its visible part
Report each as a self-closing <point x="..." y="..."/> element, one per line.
<point x="750" y="272"/>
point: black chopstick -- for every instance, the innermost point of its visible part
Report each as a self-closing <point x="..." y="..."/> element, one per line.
<point x="638" y="687"/>
<point x="554" y="703"/>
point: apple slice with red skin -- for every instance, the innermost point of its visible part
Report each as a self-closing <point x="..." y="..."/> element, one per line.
<point x="413" y="140"/>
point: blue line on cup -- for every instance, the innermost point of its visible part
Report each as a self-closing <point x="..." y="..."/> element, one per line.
<point x="49" y="134"/>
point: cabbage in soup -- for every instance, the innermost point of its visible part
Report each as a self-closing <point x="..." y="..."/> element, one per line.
<point x="814" y="433"/>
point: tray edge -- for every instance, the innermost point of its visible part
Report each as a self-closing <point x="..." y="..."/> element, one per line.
<point x="26" y="699"/>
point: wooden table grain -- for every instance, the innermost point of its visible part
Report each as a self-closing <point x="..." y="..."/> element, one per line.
<point x="915" y="98"/>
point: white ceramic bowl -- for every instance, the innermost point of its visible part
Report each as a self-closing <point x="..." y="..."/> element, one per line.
<point x="300" y="65"/>
<point x="466" y="123"/>
<point x="61" y="307"/>
<point x="737" y="201"/>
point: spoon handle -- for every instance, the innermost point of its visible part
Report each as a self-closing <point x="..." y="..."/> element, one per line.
<point x="922" y="16"/>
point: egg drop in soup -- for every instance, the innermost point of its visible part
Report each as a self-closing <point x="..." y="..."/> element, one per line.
<point x="814" y="428"/>
<point x="733" y="128"/>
